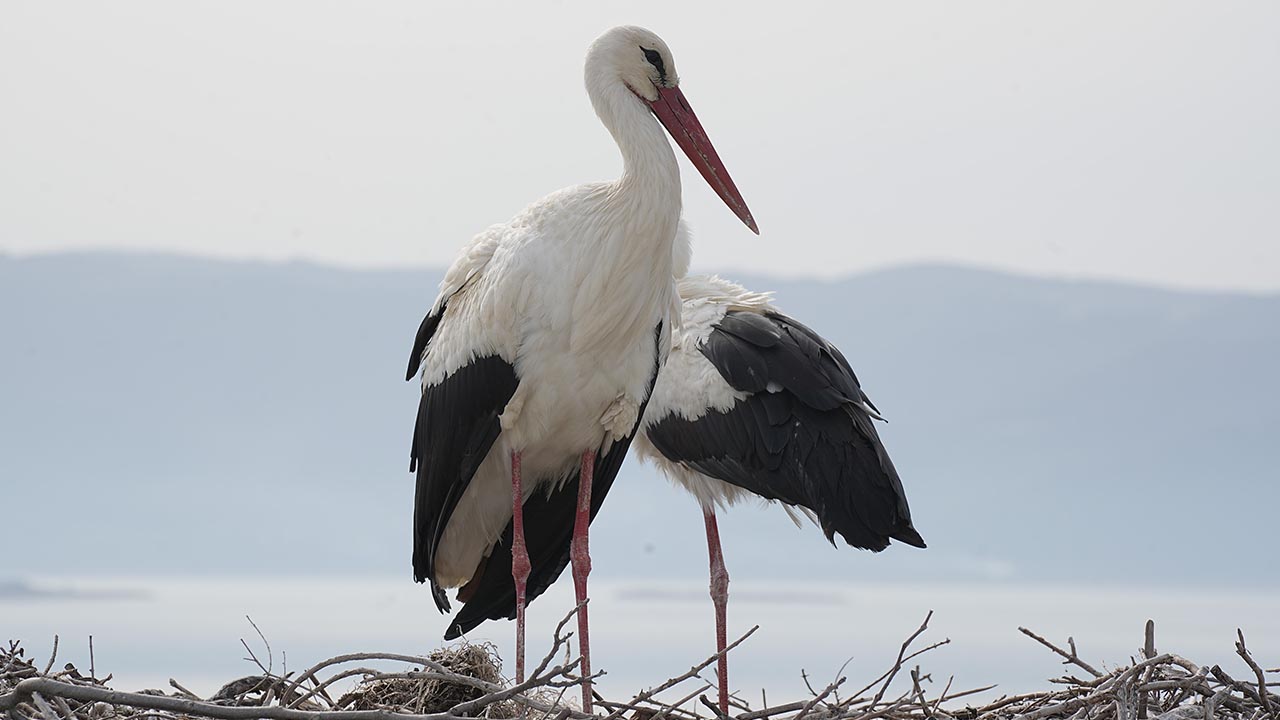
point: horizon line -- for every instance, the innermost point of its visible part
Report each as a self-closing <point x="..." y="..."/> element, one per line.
<point x="729" y="273"/>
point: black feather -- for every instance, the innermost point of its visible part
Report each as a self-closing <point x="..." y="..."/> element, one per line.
<point x="752" y="327"/>
<point x="739" y="361"/>
<point x="457" y="425"/>
<point x="425" y="331"/>
<point x="807" y="443"/>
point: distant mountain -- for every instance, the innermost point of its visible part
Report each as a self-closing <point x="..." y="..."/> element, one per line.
<point x="169" y="414"/>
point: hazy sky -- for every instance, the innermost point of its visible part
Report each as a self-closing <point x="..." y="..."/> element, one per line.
<point x="1136" y="140"/>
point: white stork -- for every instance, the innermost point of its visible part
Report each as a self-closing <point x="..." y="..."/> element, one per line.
<point x="541" y="350"/>
<point x="752" y="403"/>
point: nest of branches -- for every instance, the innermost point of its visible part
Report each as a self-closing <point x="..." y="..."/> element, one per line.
<point x="465" y="681"/>
<point x="436" y="694"/>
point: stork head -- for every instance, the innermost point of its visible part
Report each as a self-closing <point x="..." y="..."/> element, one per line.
<point x="639" y="59"/>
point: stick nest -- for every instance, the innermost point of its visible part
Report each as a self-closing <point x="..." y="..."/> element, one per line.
<point x="465" y="681"/>
<point x="426" y="695"/>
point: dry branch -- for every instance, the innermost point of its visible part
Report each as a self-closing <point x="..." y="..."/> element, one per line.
<point x="1071" y="657"/>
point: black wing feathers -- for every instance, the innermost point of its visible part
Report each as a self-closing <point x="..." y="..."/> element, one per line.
<point x="425" y="331"/>
<point x="457" y="425"/>
<point x="801" y="437"/>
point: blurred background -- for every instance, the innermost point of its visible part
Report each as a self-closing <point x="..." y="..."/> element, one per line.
<point x="1046" y="236"/>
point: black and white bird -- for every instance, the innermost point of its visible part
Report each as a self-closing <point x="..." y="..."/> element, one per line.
<point x="751" y="403"/>
<point x="541" y="351"/>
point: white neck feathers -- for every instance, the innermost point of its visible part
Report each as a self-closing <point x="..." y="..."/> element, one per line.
<point x="650" y="175"/>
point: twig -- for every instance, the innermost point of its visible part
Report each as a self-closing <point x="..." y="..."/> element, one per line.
<point x="664" y="708"/>
<point x="270" y="660"/>
<point x="320" y="688"/>
<point x="883" y="711"/>
<point x="1148" y="652"/>
<point x="715" y="709"/>
<point x="669" y="707"/>
<point x="967" y="693"/>
<point x="819" y="698"/>
<point x="1222" y="677"/>
<point x="178" y="686"/>
<point x="64" y="707"/>
<point x="1263" y="694"/>
<point x="93" y="693"/>
<point x="771" y="711"/>
<point x="840" y="676"/>
<point x="427" y="663"/>
<point x="897" y="664"/>
<point x="45" y="708"/>
<point x="48" y="666"/>
<point x="672" y="682"/>
<point x="943" y="696"/>
<point x="916" y="691"/>
<point x="468" y="708"/>
<point x="1071" y="657"/>
<point x="805" y="677"/>
<point x="557" y="640"/>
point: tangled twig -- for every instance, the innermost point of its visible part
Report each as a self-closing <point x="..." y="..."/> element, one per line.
<point x="465" y="681"/>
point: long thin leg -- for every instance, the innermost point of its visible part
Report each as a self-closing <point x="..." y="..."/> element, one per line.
<point x="519" y="560"/>
<point x="719" y="598"/>
<point x="581" y="556"/>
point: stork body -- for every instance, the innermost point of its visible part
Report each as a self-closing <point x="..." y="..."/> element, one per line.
<point x="541" y="350"/>
<point x="551" y="343"/>
<point x="751" y="403"/>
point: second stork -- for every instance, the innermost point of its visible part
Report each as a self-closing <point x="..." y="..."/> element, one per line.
<point x="752" y="403"/>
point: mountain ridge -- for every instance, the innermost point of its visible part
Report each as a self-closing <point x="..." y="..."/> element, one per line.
<point x="926" y="266"/>
<point x="179" y="414"/>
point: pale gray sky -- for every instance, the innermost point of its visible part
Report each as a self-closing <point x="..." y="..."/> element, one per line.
<point x="1134" y="140"/>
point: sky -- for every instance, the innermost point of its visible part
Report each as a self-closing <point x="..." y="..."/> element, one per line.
<point x="1137" y="141"/>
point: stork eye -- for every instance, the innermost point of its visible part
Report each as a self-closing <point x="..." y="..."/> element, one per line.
<point x="655" y="59"/>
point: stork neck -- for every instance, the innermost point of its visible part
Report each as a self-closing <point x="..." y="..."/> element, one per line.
<point x="650" y="173"/>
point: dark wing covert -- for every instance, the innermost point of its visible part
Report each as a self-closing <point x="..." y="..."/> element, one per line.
<point x="801" y="436"/>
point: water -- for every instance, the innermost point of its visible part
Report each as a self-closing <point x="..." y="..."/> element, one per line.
<point x="149" y="629"/>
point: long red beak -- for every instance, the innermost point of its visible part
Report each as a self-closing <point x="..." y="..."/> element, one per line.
<point x="677" y="117"/>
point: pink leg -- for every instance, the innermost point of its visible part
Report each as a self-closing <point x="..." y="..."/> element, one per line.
<point x="581" y="557"/>
<point x="719" y="598"/>
<point x="519" y="560"/>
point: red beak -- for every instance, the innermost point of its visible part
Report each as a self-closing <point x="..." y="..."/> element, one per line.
<point x="677" y="117"/>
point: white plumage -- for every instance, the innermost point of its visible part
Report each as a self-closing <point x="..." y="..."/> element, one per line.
<point x="572" y="305"/>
